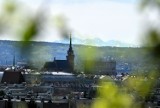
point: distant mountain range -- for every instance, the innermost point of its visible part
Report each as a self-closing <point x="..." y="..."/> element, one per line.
<point x="97" y="42"/>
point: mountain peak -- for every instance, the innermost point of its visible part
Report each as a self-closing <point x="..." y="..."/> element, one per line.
<point x="97" y="42"/>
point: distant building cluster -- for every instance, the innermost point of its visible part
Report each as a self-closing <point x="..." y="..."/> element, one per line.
<point x="100" y="67"/>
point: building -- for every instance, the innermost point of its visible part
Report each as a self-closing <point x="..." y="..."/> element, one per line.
<point x="100" y="67"/>
<point x="62" y="65"/>
<point x="12" y="77"/>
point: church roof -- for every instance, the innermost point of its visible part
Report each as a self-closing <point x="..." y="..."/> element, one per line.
<point x="57" y="65"/>
<point x="50" y="65"/>
<point x="62" y="64"/>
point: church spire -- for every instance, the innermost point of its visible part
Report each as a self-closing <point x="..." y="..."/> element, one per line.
<point x="70" y="55"/>
<point x="14" y="59"/>
<point x="70" y="45"/>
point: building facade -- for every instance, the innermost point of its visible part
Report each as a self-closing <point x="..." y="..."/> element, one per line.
<point x="100" y="67"/>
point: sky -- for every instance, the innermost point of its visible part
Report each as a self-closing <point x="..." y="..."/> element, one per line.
<point x="118" y="20"/>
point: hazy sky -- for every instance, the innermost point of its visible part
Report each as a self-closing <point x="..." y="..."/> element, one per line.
<point x="105" y="19"/>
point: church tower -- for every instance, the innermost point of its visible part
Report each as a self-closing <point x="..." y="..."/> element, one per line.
<point x="70" y="56"/>
<point x="14" y="60"/>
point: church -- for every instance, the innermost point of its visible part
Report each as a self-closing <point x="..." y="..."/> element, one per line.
<point x="62" y="65"/>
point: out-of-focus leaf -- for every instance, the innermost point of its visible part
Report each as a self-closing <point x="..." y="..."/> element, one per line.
<point x="100" y="103"/>
<point x="30" y="31"/>
<point x="89" y="53"/>
<point x="111" y="96"/>
<point x="1" y="25"/>
<point x="150" y="3"/>
<point x="60" y="23"/>
<point x="140" y="84"/>
<point x="144" y="3"/>
<point x="108" y="90"/>
<point x="9" y="6"/>
<point x="153" y="43"/>
<point x="153" y="37"/>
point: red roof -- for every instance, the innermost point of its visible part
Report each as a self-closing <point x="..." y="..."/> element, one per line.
<point x="12" y="77"/>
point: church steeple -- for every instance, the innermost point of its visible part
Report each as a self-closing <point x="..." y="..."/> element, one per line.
<point x="70" y="45"/>
<point x="14" y="60"/>
<point x="70" y="55"/>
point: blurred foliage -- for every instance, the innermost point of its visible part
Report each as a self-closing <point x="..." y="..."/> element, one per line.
<point x="141" y="84"/>
<point x="89" y="53"/>
<point x="30" y="30"/>
<point x="9" y="6"/>
<point x="153" y="44"/>
<point x="152" y="3"/>
<point x="28" y="26"/>
<point x="133" y="92"/>
<point x="39" y="55"/>
<point x="110" y="95"/>
<point x="8" y="9"/>
<point x="60" y="22"/>
<point x="130" y="93"/>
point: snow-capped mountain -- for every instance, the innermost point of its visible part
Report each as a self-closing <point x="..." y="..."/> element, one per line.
<point x="97" y="42"/>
